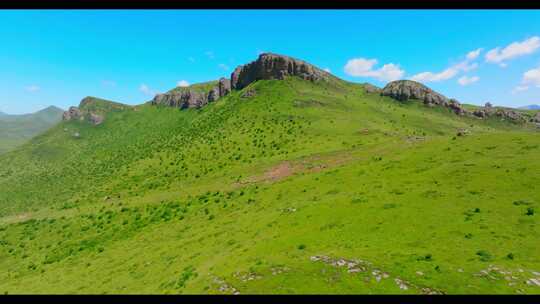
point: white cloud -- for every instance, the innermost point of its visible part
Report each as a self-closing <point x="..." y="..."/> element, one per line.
<point x="465" y="80"/>
<point x="210" y="54"/>
<point x="513" y="50"/>
<point x="146" y="90"/>
<point x="327" y="70"/>
<point x="474" y="54"/>
<point x="361" y="67"/>
<point x="435" y="77"/>
<point x="463" y="66"/>
<point x="191" y="59"/>
<point x="223" y="66"/>
<point x="182" y="83"/>
<point x="108" y="83"/>
<point x="32" y="88"/>
<point x="532" y="77"/>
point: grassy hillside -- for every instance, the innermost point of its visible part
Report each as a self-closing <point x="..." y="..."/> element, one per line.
<point x="302" y="188"/>
<point x="17" y="129"/>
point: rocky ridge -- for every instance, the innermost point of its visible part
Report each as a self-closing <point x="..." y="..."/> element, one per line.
<point x="267" y="66"/>
<point x="403" y="90"/>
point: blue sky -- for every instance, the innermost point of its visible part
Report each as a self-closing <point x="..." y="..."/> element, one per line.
<point x="58" y="57"/>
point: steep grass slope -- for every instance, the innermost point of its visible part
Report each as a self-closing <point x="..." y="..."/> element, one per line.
<point x="17" y="129"/>
<point x="302" y="188"/>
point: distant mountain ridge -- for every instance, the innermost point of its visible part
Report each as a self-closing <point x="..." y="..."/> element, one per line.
<point x="530" y="107"/>
<point x="17" y="129"/>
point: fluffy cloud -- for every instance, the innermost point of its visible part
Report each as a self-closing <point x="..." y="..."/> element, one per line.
<point x="532" y="77"/>
<point x="513" y="50"/>
<point x="463" y="66"/>
<point x="473" y="54"/>
<point x="327" y="70"/>
<point x="361" y="67"/>
<point x="146" y="90"/>
<point x="464" y="80"/>
<point x="182" y="83"/>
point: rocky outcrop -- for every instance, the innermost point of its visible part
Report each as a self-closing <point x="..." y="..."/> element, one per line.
<point x="193" y="96"/>
<point x="403" y="90"/>
<point x="503" y="113"/>
<point x="73" y="113"/>
<point x="272" y="66"/>
<point x="182" y="99"/>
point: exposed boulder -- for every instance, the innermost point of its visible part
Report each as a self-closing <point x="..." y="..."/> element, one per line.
<point x="73" y="113"/>
<point x="480" y="113"/>
<point x="403" y="90"/>
<point x="272" y="66"/>
<point x="371" y="88"/>
<point x="508" y="114"/>
<point x="194" y="96"/>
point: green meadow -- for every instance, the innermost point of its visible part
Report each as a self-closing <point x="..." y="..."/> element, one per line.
<point x="318" y="188"/>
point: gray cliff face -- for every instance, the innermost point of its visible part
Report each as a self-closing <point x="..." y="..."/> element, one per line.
<point x="403" y="90"/>
<point x="272" y="66"/>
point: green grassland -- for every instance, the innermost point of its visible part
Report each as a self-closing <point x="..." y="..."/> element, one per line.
<point x="303" y="188"/>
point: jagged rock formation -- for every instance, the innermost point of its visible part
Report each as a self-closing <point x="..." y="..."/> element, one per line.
<point x="403" y="90"/>
<point x="194" y="96"/>
<point x="272" y="66"/>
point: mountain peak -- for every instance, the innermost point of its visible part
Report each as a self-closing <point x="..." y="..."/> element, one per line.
<point x="274" y="66"/>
